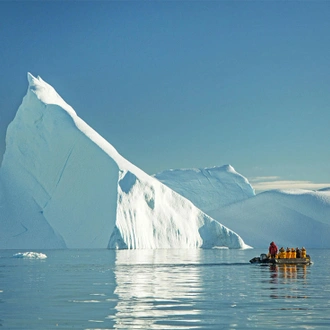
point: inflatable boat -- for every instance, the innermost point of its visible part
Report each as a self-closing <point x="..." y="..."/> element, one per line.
<point x="264" y="259"/>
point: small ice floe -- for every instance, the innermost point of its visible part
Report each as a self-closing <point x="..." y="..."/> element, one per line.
<point x="30" y="255"/>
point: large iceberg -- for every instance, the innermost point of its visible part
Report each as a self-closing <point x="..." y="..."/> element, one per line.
<point x="289" y="217"/>
<point x="63" y="185"/>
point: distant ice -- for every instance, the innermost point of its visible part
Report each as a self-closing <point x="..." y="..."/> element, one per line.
<point x="293" y="218"/>
<point x="30" y="255"/>
<point x="290" y="217"/>
<point x="208" y="188"/>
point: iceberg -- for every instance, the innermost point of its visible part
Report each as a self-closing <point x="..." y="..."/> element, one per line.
<point x="30" y="255"/>
<point x="62" y="185"/>
<point x="289" y="217"/>
<point x="208" y="188"/>
<point x="293" y="218"/>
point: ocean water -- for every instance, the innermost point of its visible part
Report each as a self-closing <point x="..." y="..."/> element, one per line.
<point x="161" y="289"/>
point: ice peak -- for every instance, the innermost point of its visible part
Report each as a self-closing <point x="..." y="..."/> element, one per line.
<point x="31" y="79"/>
<point x="47" y="94"/>
<point x="228" y="168"/>
<point x="37" y="84"/>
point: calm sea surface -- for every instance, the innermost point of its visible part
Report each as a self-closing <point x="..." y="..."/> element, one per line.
<point x="162" y="289"/>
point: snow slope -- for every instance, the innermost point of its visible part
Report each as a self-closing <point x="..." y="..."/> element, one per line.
<point x="208" y="188"/>
<point x="63" y="185"/>
<point x="290" y="218"/>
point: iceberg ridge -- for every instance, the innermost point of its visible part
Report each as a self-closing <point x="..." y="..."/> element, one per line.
<point x="208" y="188"/>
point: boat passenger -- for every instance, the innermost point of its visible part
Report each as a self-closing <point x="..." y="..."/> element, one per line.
<point x="298" y="255"/>
<point x="288" y="252"/>
<point x="282" y="254"/>
<point x="272" y="250"/>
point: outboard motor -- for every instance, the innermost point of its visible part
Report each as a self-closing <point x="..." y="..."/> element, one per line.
<point x="263" y="256"/>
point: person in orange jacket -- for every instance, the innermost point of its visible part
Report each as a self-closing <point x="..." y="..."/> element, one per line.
<point x="273" y="249"/>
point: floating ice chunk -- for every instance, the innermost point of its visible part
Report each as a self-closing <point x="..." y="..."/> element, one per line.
<point x="30" y="255"/>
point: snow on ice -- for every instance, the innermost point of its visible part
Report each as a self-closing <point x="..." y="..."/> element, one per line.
<point x="64" y="186"/>
<point x="208" y="188"/>
<point x="288" y="217"/>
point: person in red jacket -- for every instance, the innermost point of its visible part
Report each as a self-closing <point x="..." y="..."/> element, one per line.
<point x="272" y="250"/>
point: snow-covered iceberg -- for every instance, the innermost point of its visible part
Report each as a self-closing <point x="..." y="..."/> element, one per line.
<point x="289" y="217"/>
<point x="208" y="188"/>
<point x="63" y="185"/>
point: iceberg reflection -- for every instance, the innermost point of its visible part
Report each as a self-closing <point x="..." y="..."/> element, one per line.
<point x="156" y="290"/>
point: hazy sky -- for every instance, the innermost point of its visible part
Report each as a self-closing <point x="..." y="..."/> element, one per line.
<point x="180" y="84"/>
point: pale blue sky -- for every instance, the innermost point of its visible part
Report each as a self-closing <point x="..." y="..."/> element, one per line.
<point x="182" y="84"/>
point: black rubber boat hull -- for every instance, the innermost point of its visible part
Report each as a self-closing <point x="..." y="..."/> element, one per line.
<point x="284" y="261"/>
